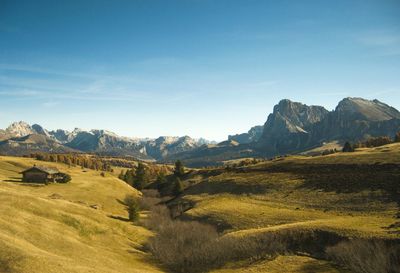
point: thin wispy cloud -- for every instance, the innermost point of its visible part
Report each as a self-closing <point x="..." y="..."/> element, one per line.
<point x="68" y="74"/>
<point x="386" y="42"/>
<point x="263" y="84"/>
<point x="20" y="93"/>
<point x="50" y="104"/>
<point x="380" y="39"/>
<point x="334" y="93"/>
<point x="381" y="92"/>
<point x="246" y="35"/>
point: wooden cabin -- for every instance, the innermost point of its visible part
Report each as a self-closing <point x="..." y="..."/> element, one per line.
<point x="40" y="174"/>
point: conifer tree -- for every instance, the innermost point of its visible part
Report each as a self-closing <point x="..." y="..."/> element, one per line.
<point x="129" y="177"/>
<point x="132" y="207"/>
<point x="140" y="178"/>
<point x="121" y="175"/>
<point x="178" y="186"/>
<point x="161" y="178"/>
<point x="347" y="148"/>
<point x="179" y="170"/>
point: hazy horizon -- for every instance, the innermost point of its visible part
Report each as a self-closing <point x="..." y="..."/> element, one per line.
<point x="186" y="67"/>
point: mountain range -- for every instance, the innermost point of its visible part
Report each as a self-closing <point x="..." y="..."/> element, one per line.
<point x="20" y="138"/>
<point x="292" y="127"/>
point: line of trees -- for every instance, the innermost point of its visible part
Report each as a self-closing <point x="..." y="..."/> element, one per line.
<point x="371" y="142"/>
<point x="85" y="161"/>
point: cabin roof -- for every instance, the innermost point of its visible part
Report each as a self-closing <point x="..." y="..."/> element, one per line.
<point x="45" y="169"/>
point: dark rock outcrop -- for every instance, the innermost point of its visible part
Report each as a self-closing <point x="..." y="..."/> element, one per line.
<point x="253" y="135"/>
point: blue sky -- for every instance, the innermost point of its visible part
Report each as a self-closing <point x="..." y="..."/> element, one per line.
<point x="204" y="68"/>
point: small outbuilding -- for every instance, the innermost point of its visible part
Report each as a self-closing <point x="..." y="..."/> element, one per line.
<point x="40" y="174"/>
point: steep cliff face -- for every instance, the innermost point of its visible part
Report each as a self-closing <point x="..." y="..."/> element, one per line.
<point x="289" y="127"/>
<point x="19" y="129"/>
<point x="295" y="127"/>
<point x="253" y="135"/>
<point x="355" y="119"/>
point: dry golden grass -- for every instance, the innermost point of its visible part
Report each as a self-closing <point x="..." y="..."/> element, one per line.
<point x="384" y="154"/>
<point x="246" y="214"/>
<point x="287" y="264"/>
<point x="259" y="199"/>
<point x="265" y="198"/>
<point x="53" y="228"/>
<point x="327" y="146"/>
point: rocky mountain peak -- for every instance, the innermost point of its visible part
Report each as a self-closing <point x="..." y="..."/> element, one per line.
<point x="253" y="135"/>
<point x="40" y="130"/>
<point x="362" y="109"/>
<point x="19" y="129"/>
<point x="293" y="117"/>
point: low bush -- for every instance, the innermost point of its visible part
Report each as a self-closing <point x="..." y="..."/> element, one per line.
<point x="377" y="141"/>
<point x="9" y="260"/>
<point x="148" y="203"/>
<point x="329" y="151"/>
<point x="348" y="148"/>
<point x="366" y="256"/>
<point x="191" y="246"/>
<point x="397" y="137"/>
<point x="132" y="206"/>
<point x="63" y="178"/>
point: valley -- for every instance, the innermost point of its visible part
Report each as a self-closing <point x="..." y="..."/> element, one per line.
<point x="199" y="136"/>
<point x="330" y="198"/>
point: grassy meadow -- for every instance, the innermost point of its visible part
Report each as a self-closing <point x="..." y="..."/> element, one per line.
<point x="346" y="195"/>
<point x="55" y="228"/>
<point x="82" y="226"/>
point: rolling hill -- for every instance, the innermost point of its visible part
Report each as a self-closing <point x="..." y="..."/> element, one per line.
<point x="333" y="197"/>
<point x="80" y="227"/>
<point x="67" y="227"/>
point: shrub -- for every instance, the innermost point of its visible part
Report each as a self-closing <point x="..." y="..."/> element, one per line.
<point x="397" y="137"/>
<point x="9" y="260"/>
<point x="132" y="207"/>
<point x="184" y="246"/>
<point x="122" y="175"/>
<point x="377" y="141"/>
<point x="328" y="151"/>
<point x="190" y="246"/>
<point x="178" y="187"/>
<point x="159" y="217"/>
<point x="366" y="256"/>
<point x="179" y="170"/>
<point x="63" y="178"/>
<point x="348" y="148"/>
<point x="149" y="200"/>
